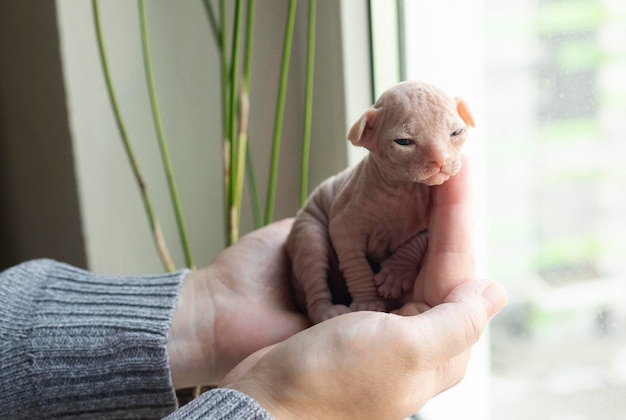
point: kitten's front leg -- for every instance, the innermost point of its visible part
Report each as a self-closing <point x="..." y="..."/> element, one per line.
<point x="398" y="272"/>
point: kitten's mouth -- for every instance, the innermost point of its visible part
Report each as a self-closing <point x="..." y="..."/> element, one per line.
<point x="437" y="179"/>
<point x="440" y="175"/>
<point x="436" y="176"/>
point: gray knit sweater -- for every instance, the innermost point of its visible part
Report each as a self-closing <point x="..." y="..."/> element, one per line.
<point x="74" y="344"/>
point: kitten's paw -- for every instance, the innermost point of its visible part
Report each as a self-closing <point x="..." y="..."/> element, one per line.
<point x="393" y="282"/>
<point x="368" y="305"/>
<point x="322" y="313"/>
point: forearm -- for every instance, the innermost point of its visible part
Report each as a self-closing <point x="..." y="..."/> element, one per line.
<point x="75" y="342"/>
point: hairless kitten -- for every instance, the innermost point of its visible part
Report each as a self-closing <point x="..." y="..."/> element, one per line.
<point x="361" y="236"/>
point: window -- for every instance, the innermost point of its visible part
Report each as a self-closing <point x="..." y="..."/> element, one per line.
<point x="546" y="80"/>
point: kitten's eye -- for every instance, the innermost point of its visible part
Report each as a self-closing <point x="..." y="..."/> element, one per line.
<point x="404" y="142"/>
<point x="456" y="133"/>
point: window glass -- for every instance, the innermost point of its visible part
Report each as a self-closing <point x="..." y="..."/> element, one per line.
<point x="555" y="97"/>
<point x="547" y="82"/>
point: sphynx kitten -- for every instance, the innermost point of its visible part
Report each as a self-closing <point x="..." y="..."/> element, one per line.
<point x="374" y="216"/>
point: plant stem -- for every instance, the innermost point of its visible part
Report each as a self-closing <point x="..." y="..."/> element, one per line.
<point x="254" y="193"/>
<point x="157" y="234"/>
<point x="225" y="119"/>
<point x="280" y="110"/>
<point x="232" y="129"/>
<point x="308" y="107"/>
<point x="244" y="115"/>
<point x="257" y="214"/>
<point x="249" y="39"/>
<point x="161" y="137"/>
<point x="213" y="22"/>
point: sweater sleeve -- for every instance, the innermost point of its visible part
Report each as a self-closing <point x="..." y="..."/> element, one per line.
<point x="222" y="404"/>
<point x="82" y="345"/>
<point x="74" y="343"/>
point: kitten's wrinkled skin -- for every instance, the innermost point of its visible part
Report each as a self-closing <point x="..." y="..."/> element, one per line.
<point x="377" y="213"/>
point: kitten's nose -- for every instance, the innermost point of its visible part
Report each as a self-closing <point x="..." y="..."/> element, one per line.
<point x="439" y="157"/>
<point x="439" y="162"/>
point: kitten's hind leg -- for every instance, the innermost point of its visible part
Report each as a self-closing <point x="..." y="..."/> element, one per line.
<point x="310" y="252"/>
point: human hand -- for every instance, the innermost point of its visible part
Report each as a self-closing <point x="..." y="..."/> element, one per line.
<point x="370" y="364"/>
<point x="377" y="365"/>
<point x="239" y="303"/>
<point x="449" y="259"/>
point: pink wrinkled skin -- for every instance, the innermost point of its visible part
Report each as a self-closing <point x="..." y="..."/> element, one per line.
<point x="377" y="211"/>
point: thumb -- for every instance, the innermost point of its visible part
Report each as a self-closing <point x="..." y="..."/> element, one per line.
<point x="458" y="323"/>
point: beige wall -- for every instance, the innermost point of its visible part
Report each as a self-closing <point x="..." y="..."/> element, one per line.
<point x="112" y="222"/>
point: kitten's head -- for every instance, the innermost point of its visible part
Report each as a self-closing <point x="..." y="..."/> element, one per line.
<point x="414" y="132"/>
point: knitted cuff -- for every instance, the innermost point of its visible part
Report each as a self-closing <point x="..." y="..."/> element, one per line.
<point x="222" y="404"/>
<point x="87" y="344"/>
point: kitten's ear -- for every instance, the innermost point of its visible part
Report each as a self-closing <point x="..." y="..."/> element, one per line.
<point x="361" y="132"/>
<point x="464" y="112"/>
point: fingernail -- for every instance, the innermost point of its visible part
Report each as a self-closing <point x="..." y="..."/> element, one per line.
<point x="494" y="296"/>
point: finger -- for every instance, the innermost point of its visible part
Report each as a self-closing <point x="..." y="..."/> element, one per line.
<point x="451" y="204"/>
<point x="275" y="232"/>
<point x="457" y="324"/>
<point x="450" y="257"/>
<point x="412" y="308"/>
<point x="283" y="224"/>
<point x="261" y="244"/>
<point x="244" y="366"/>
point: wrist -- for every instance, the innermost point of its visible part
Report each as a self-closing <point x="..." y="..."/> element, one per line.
<point x="191" y="345"/>
<point x="262" y="396"/>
